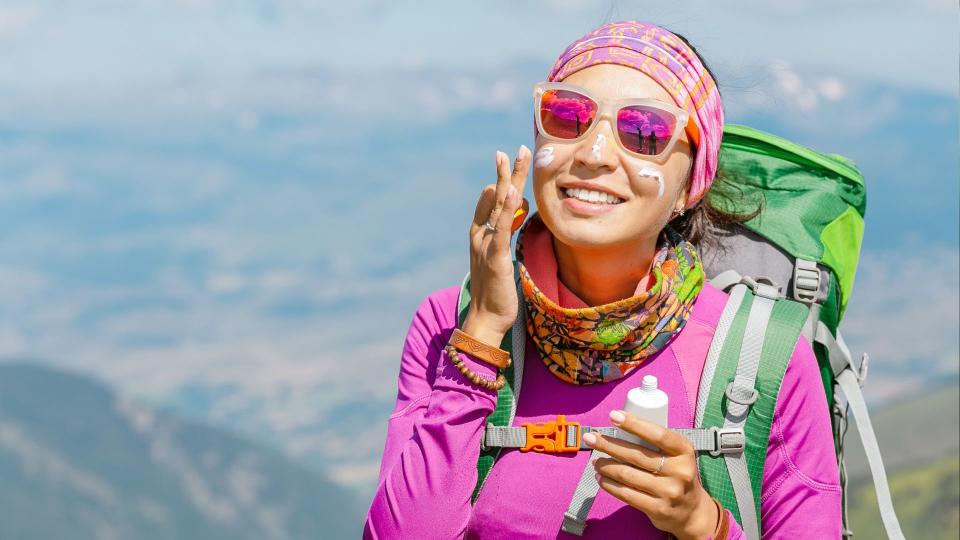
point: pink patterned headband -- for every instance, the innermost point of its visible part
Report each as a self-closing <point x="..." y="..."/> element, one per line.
<point x="665" y="58"/>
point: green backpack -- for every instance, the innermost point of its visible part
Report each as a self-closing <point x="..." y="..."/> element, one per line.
<point x="789" y="272"/>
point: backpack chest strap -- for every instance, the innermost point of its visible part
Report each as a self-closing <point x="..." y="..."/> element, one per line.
<point x="561" y="435"/>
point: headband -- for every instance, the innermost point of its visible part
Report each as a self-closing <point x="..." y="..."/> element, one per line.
<point x="665" y="58"/>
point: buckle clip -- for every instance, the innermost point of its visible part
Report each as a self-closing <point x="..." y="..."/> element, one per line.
<point x="806" y="280"/>
<point x="553" y="436"/>
<point x="728" y="441"/>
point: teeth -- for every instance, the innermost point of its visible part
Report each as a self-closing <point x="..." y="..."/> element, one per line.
<point x="592" y="196"/>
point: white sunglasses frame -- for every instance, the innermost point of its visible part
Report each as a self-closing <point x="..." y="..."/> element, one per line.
<point x="608" y="109"/>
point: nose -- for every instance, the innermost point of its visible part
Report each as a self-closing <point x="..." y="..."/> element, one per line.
<point x="599" y="149"/>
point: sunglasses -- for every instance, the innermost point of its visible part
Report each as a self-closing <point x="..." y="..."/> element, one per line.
<point x="645" y="127"/>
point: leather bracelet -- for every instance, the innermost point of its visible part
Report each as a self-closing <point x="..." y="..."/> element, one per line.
<point x="464" y="342"/>
<point x="723" y="524"/>
<point x="473" y="377"/>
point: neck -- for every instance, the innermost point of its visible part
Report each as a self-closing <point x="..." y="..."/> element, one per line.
<point x="602" y="276"/>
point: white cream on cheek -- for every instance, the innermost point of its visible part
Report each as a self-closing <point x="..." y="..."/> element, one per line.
<point x="653" y="173"/>
<point x="543" y="157"/>
<point x="598" y="147"/>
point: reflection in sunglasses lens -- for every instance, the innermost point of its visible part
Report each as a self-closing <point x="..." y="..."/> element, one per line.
<point x="645" y="130"/>
<point x="565" y="114"/>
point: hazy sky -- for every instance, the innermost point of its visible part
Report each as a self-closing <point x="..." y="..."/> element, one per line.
<point x="233" y="208"/>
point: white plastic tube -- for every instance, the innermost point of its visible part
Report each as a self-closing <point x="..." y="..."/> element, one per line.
<point x="646" y="402"/>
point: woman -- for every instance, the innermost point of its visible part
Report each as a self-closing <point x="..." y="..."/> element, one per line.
<point x="614" y="291"/>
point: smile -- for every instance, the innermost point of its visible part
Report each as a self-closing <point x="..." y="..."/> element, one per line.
<point x="590" y="196"/>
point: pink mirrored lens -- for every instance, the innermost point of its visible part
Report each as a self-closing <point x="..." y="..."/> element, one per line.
<point x="645" y="130"/>
<point x="565" y="114"/>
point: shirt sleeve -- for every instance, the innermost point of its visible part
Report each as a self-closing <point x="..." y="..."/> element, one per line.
<point x="428" y="470"/>
<point x="801" y="481"/>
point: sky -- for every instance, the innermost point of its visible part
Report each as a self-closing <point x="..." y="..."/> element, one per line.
<point x="230" y="209"/>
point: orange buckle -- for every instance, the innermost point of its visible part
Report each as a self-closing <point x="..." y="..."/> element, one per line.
<point x="552" y="436"/>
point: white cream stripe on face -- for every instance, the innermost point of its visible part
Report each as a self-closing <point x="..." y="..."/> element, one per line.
<point x="543" y="157"/>
<point x="653" y="173"/>
<point x="598" y="146"/>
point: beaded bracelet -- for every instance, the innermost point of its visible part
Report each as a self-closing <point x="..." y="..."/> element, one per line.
<point x="473" y="377"/>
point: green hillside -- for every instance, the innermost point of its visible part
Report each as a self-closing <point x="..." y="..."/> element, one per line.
<point x="927" y="500"/>
<point x="920" y="443"/>
<point x="79" y="462"/>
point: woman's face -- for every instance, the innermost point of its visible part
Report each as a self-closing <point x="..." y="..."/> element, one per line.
<point x="644" y="210"/>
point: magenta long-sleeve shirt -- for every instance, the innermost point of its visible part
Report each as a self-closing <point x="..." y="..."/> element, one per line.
<point x="428" y="470"/>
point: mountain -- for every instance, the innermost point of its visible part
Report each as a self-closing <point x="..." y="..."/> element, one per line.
<point x="79" y="462"/>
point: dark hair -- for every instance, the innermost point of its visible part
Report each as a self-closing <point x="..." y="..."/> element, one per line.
<point x="704" y="223"/>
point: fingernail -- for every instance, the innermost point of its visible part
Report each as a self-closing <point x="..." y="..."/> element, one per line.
<point x="590" y="438"/>
<point x="617" y="417"/>
<point x="499" y="158"/>
<point x="597" y="476"/>
<point x="522" y="152"/>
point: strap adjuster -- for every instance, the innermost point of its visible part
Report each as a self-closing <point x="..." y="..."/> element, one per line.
<point x="762" y="287"/>
<point x="749" y="399"/>
<point x="806" y="280"/>
<point x="553" y="436"/>
<point x="728" y="441"/>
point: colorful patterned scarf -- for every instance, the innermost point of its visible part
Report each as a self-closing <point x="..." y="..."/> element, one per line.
<point x="603" y="343"/>
<point x="664" y="57"/>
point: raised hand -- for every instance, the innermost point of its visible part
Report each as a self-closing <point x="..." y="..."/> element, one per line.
<point x="493" y="293"/>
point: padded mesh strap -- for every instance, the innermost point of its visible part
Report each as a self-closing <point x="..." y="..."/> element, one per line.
<point x="716" y="346"/>
<point x="740" y="396"/>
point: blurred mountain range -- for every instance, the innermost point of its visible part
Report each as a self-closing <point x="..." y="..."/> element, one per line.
<point x="79" y="462"/>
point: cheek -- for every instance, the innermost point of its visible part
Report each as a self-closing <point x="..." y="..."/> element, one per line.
<point x="650" y="173"/>
<point x="544" y="156"/>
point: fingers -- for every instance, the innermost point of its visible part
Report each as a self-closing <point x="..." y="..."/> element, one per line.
<point x="484" y="207"/>
<point x="503" y="184"/>
<point x="508" y="178"/>
<point x="625" y="451"/>
<point x="521" y="166"/>
<point x="626" y="474"/>
<point x="638" y="499"/>
<point x="671" y="442"/>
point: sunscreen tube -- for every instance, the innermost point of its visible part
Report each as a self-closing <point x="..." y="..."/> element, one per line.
<point x="646" y="402"/>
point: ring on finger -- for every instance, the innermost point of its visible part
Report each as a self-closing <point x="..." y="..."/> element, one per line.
<point x="663" y="459"/>
<point x="489" y="227"/>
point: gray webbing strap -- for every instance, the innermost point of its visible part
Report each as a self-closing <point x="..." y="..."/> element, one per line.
<point x="849" y="381"/>
<point x="575" y="518"/>
<point x="840" y="357"/>
<point x="713" y="355"/>
<point x="850" y="385"/>
<point x="741" y="394"/>
<point x="712" y="440"/>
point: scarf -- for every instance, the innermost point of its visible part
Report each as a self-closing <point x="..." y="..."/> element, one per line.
<point x="589" y="345"/>
<point x="665" y="58"/>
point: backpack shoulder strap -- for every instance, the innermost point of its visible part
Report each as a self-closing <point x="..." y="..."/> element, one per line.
<point x="514" y="341"/>
<point x="755" y="339"/>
